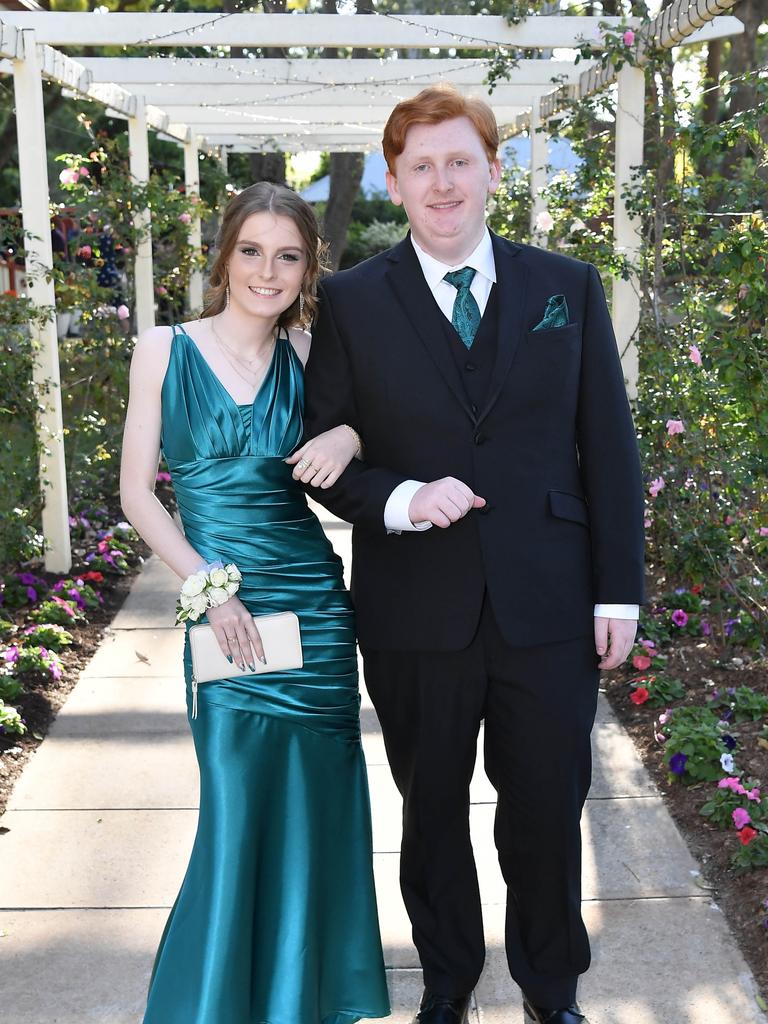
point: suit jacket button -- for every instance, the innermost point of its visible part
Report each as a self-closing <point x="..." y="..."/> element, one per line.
<point x="480" y="438"/>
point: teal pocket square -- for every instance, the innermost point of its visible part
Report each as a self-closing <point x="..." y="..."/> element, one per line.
<point x="555" y="315"/>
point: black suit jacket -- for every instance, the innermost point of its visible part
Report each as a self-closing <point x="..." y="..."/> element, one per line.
<point x="553" y="450"/>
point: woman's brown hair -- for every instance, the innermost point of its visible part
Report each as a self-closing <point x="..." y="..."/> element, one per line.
<point x="433" y="105"/>
<point x="266" y="197"/>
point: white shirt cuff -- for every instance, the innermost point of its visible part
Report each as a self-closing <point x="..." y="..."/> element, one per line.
<point x="617" y="611"/>
<point x="396" y="510"/>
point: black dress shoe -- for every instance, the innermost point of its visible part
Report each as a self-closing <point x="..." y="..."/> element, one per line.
<point x="568" y="1015"/>
<point x="442" y="1010"/>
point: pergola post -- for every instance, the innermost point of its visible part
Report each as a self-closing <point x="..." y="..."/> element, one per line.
<point x="33" y="179"/>
<point x="630" y="115"/>
<point x="138" y="145"/>
<point x="192" y="185"/>
<point x="538" y="181"/>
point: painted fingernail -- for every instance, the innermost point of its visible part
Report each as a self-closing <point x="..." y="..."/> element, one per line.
<point x="229" y="658"/>
<point x="251" y="667"/>
<point x="263" y="659"/>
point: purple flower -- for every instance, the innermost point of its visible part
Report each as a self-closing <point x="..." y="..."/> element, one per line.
<point x="727" y="715"/>
<point x="11" y="656"/>
<point x="26" y="578"/>
<point x="679" y="617"/>
<point x="740" y="817"/>
<point x="31" y="594"/>
<point x="731" y="691"/>
<point x="681" y="590"/>
<point x="706" y="629"/>
<point x="728" y="742"/>
<point x="677" y="763"/>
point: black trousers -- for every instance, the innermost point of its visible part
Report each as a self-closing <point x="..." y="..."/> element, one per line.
<point x="539" y="705"/>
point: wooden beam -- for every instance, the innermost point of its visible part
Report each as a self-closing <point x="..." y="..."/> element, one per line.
<point x="473" y="31"/>
<point x="263" y="115"/>
<point x="270" y="72"/>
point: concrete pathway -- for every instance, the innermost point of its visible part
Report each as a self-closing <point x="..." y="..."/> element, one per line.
<point x="100" y="825"/>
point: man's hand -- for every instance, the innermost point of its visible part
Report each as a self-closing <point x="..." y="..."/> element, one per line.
<point x="443" y="502"/>
<point x="613" y="640"/>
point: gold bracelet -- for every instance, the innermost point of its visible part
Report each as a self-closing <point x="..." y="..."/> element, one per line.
<point x="356" y="436"/>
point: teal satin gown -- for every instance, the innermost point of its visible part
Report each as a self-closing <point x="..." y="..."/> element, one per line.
<point x="276" y="919"/>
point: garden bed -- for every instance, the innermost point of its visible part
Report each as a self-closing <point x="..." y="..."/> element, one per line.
<point x="710" y="675"/>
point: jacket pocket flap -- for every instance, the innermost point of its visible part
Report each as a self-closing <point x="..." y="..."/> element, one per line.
<point x="568" y="506"/>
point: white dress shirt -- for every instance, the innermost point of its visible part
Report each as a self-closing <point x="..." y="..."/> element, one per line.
<point x="396" y="518"/>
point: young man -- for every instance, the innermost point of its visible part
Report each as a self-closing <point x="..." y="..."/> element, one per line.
<point x="497" y="544"/>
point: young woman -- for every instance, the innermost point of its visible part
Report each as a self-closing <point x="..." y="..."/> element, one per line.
<point x="276" y="919"/>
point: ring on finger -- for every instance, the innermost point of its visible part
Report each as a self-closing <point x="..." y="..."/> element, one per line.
<point x="303" y="464"/>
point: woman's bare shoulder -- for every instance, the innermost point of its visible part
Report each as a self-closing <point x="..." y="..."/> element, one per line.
<point x="152" y="352"/>
<point x="301" y="340"/>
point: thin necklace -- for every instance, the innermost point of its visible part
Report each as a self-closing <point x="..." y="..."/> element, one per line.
<point x="225" y="351"/>
<point x="260" y="358"/>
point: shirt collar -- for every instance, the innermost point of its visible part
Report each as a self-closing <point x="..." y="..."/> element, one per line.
<point x="480" y="259"/>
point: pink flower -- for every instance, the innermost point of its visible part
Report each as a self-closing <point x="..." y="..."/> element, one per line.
<point x="656" y="486"/>
<point x="85" y="251"/>
<point x="754" y="795"/>
<point x="68" y="176"/>
<point x="123" y="312"/>
<point x="664" y="717"/>
<point x="649" y="645"/>
<point x="83" y="172"/>
<point x="641" y="662"/>
<point x="639" y="696"/>
<point x="679" y="617"/>
<point x="675" y="427"/>
<point x="694" y="355"/>
<point x="764" y="531"/>
<point x="185" y="218"/>
<point x="162" y="290"/>
<point x="740" y="817"/>
<point x="731" y="783"/>
<point x="163" y="477"/>
<point x="628" y="37"/>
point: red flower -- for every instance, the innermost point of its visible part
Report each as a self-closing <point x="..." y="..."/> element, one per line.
<point x="697" y="588"/>
<point x="93" y="576"/>
<point x="639" y="696"/>
<point x="641" y="662"/>
<point x="747" y="834"/>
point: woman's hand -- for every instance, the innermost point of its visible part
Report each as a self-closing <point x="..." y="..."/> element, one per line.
<point x="321" y="461"/>
<point x="238" y="638"/>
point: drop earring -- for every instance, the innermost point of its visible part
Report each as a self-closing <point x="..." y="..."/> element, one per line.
<point x="301" y="306"/>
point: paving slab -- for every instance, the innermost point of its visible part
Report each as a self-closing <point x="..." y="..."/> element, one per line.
<point x="110" y="772"/>
<point x="77" y="966"/>
<point x="152" y="600"/>
<point x="121" y="706"/>
<point x="654" y="961"/>
<point x="619" y="859"/>
<point x="141" y="653"/>
<point x="99" y="859"/>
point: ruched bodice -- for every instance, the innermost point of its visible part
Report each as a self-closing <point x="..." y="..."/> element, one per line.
<point x="276" y="920"/>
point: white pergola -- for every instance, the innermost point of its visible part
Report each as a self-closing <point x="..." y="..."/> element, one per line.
<point x="300" y="104"/>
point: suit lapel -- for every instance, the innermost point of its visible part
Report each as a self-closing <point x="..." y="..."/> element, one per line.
<point x="412" y="292"/>
<point x="511" y="283"/>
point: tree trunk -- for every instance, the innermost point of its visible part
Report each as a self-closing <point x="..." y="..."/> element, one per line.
<point x="742" y="60"/>
<point x="712" y="93"/>
<point x="346" y="175"/>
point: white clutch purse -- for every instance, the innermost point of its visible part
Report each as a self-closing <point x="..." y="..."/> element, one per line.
<point x="280" y="636"/>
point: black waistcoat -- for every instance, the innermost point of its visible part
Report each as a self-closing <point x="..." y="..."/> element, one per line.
<point x="475" y="365"/>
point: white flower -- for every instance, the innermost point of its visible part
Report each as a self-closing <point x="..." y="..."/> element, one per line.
<point x="234" y="572"/>
<point x="194" y="584"/>
<point x="218" y="577"/>
<point x="578" y="225"/>
<point x="232" y="587"/>
<point x="198" y="605"/>
<point x="217" y="596"/>
<point x="544" y="221"/>
<point x="726" y="760"/>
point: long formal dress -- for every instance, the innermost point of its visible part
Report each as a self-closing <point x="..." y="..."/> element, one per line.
<point x="276" y="919"/>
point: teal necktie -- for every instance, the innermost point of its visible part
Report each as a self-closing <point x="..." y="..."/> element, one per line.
<point x="466" y="312"/>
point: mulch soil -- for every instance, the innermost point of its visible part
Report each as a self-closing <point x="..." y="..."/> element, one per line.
<point x="698" y="664"/>
<point x="702" y="668"/>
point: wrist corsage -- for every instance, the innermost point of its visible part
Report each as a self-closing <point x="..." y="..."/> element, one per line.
<point x="209" y="587"/>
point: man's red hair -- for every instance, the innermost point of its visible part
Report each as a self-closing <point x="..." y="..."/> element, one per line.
<point x="433" y="105"/>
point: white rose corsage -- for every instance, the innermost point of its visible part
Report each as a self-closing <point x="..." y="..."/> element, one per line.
<point x="209" y="587"/>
